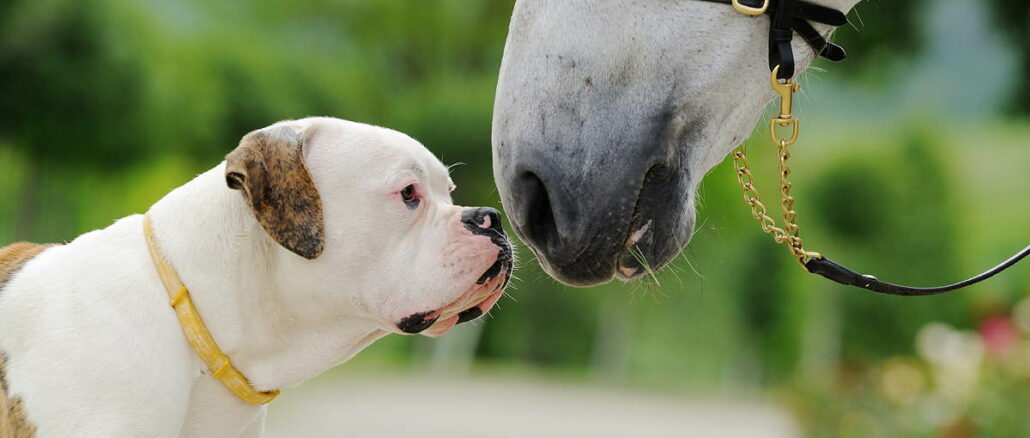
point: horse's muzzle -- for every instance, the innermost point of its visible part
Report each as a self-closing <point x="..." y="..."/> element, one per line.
<point x="589" y="233"/>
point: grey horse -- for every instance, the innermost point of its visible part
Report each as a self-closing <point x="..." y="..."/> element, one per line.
<point x="609" y="112"/>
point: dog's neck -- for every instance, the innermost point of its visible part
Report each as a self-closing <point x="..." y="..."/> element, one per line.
<point x="224" y="257"/>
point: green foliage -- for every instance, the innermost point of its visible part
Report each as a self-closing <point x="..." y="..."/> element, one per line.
<point x="65" y="89"/>
<point x="1014" y="16"/>
<point x="884" y="32"/>
<point x="880" y="32"/>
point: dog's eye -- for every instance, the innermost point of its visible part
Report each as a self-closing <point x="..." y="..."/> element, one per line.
<point x="408" y="196"/>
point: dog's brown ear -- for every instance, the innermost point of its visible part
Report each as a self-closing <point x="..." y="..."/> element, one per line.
<point x="268" y="166"/>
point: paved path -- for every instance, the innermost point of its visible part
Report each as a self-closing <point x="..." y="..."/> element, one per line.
<point x="427" y="406"/>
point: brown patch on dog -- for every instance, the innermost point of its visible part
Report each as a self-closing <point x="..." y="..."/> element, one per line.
<point x="268" y="166"/>
<point x="13" y="257"/>
<point x="14" y="421"/>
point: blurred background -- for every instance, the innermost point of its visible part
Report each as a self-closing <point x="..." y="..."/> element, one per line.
<point x="914" y="165"/>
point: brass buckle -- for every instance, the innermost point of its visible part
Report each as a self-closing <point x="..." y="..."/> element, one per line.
<point x="748" y="10"/>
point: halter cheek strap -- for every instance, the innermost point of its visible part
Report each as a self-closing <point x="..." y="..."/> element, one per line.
<point x="786" y="18"/>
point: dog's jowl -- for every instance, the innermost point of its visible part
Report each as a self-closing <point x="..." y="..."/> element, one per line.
<point x="313" y="239"/>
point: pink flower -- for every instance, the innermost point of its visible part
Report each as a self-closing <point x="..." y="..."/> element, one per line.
<point x="999" y="335"/>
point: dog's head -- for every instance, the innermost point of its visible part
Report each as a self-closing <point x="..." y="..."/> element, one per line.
<point x="363" y="224"/>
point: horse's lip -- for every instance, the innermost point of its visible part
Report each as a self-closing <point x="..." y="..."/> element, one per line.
<point x="618" y="263"/>
<point x="627" y="267"/>
<point x="628" y="273"/>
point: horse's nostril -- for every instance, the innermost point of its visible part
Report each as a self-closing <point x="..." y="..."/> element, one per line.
<point x="537" y="217"/>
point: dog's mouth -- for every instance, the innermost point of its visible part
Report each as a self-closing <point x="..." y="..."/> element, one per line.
<point x="474" y="303"/>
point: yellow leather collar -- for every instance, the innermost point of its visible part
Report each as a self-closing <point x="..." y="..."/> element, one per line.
<point x="195" y="330"/>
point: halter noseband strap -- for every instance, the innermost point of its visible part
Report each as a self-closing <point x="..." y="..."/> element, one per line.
<point x="787" y="17"/>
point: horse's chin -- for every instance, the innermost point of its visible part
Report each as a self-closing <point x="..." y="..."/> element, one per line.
<point x="625" y="265"/>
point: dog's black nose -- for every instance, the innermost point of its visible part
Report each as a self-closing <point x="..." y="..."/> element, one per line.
<point x="480" y="219"/>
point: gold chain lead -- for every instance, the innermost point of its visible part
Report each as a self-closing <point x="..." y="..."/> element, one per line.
<point x="789" y="234"/>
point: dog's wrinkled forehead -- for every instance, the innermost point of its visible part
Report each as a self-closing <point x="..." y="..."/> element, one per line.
<point x="334" y="145"/>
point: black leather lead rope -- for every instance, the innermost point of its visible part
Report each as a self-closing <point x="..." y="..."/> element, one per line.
<point x="833" y="271"/>
<point x="781" y="33"/>
<point x="787" y="17"/>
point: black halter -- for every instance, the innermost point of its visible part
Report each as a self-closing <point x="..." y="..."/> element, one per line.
<point x="787" y="17"/>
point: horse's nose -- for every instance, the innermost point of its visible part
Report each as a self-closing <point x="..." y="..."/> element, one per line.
<point x="578" y="221"/>
<point x="536" y="215"/>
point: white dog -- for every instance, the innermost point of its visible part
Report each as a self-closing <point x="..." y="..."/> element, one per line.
<point x="313" y="239"/>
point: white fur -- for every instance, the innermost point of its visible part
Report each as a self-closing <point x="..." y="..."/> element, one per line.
<point x="95" y="350"/>
<point x="590" y="89"/>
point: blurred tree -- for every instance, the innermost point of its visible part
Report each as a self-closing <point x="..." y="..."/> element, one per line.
<point x="1014" y="16"/>
<point x="883" y="32"/>
<point x="880" y="33"/>
<point x="771" y="321"/>
<point x="887" y="213"/>
<point x="68" y="98"/>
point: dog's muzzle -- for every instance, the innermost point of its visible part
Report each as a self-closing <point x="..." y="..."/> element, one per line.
<point x="484" y="294"/>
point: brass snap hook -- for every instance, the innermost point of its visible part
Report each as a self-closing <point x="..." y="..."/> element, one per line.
<point x="786" y="90"/>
